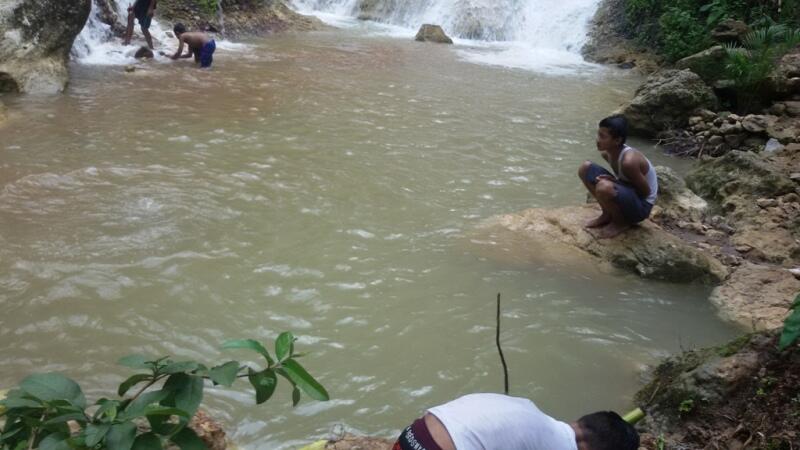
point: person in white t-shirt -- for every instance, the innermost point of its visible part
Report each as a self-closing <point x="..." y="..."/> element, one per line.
<point x="501" y="422"/>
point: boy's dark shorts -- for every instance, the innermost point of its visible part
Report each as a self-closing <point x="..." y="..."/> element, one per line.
<point x="144" y="20"/>
<point x="207" y="53"/>
<point x="634" y="208"/>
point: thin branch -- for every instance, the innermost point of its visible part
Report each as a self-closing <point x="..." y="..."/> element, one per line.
<point x="499" y="349"/>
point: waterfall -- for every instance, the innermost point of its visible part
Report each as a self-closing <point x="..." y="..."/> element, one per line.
<point x="559" y="25"/>
<point x="220" y="17"/>
<point x="99" y="42"/>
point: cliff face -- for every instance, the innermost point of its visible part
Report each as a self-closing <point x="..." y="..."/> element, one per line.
<point x="239" y="18"/>
<point x="35" y="39"/>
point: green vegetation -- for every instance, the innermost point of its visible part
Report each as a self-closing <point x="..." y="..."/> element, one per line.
<point x="679" y="28"/>
<point x="750" y="65"/>
<point x="209" y="6"/>
<point x="791" y="327"/>
<point x="38" y="412"/>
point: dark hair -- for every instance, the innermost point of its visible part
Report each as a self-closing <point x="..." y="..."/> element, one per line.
<point x="606" y="430"/>
<point x="617" y="125"/>
<point x="179" y="28"/>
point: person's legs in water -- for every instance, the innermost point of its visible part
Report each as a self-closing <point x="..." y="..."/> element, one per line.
<point x="129" y="28"/>
<point x="588" y="173"/>
<point x="144" y="24"/>
<point x="207" y="54"/>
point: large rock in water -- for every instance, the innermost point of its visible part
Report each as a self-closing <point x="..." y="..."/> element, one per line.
<point x="675" y="200"/>
<point x="756" y="297"/>
<point x="432" y="33"/>
<point x="646" y="250"/>
<point x="37" y="36"/>
<point x="665" y="101"/>
<point x="708" y="63"/>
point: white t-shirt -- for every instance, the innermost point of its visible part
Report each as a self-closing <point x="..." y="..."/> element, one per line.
<point x="500" y="422"/>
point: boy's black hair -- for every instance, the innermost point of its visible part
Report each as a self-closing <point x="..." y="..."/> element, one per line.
<point x="617" y="125"/>
<point x="606" y="430"/>
<point x="179" y="28"/>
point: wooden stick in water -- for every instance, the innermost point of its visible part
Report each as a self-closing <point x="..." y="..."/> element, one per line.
<point x="497" y="340"/>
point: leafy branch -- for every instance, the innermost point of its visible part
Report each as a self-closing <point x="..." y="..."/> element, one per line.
<point x="39" y="412"/>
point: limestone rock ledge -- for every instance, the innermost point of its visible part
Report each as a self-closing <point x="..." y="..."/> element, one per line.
<point x="646" y="250"/>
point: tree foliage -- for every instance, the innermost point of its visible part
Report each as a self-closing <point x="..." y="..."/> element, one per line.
<point x="165" y="394"/>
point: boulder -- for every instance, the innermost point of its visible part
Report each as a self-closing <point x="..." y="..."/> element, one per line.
<point x="242" y="17"/>
<point x="785" y="79"/>
<point x="645" y="250"/>
<point x="730" y="31"/>
<point x="143" y="52"/>
<point x="432" y="33"/>
<point x="707" y="64"/>
<point x="741" y="174"/>
<point x="675" y="199"/>
<point x="756" y="297"/>
<point x="37" y="38"/>
<point x="666" y="100"/>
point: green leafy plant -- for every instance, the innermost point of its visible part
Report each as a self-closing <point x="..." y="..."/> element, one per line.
<point x="750" y="65"/>
<point x="686" y="406"/>
<point x="209" y="6"/>
<point x="38" y="413"/>
<point x="683" y="33"/>
<point x="791" y="327"/>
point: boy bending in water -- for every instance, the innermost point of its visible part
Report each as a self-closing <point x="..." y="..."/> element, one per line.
<point x="200" y="45"/>
<point x="628" y="195"/>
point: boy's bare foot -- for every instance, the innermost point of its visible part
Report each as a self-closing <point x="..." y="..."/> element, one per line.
<point x="612" y="230"/>
<point x="599" y="221"/>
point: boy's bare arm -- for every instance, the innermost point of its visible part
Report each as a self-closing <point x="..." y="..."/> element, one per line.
<point x="180" y="49"/>
<point x="631" y="167"/>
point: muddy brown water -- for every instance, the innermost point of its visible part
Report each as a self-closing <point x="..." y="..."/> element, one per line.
<point x="329" y="184"/>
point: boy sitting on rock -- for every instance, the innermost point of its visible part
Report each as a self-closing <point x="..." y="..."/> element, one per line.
<point x="627" y="196"/>
<point x="200" y="45"/>
<point x="501" y="422"/>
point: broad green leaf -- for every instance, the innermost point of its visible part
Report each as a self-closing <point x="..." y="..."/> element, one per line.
<point x="147" y="441"/>
<point x="185" y="392"/>
<point x="132" y="381"/>
<point x="17" y="399"/>
<point x="225" y="374"/>
<point x="121" y="436"/>
<point x="54" y="441"/>
<point x="304" y="380"/>
<point x="791" y="327"/>
<point x="187" y="439"/>
<point x="155" y="410"/>
<point x="180" y="366"/>
<point x="78" y="417"/>
<point x="9" y="434"/>
<point x="284" y="345"/>
<point x="96" y="433"/>
<point x="162" y="425"/>
<point x="136" y="362"/>
<point x="50" y="387"/>
<point x="137" y="407"/>
<point x="107" y="407"/>
<point x="264" y="382"/>
<point x="251" y="345"/>
<point x="295" y="396"/>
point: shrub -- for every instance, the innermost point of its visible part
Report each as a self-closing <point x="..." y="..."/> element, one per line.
<point x="682" y="34"/>
<point x="791" y="327"/>
<point x="750" y="65"/>
<point x="38" y="411"/>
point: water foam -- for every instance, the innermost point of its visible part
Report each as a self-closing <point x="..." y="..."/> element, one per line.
<point x="539" y="35"/>
<point x="97" y="45"/>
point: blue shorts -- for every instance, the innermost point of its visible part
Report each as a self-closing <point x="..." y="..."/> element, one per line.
<point x="207" y="53"/>
<point x="634" y="208"/>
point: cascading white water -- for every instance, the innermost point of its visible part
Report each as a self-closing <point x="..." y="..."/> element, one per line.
<point x="559" y="25"/>
<point x="96" y="43"/>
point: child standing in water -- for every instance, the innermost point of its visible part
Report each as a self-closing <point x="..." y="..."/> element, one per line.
<point x="200" y="45"/>
<point x="143" y="11"/>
